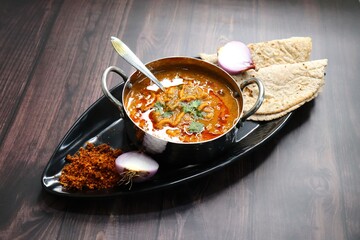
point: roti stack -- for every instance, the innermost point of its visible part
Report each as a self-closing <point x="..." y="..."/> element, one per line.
<point x="289" y="78"/>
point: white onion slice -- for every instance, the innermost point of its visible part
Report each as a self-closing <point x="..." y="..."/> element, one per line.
<point x="235" y="57"/>
<point x="135" y="167"/>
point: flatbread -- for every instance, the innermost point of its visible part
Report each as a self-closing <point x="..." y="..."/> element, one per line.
<point x="263" y="54"/>
<point x="286" y="86"/>
<point x="269" y="117"/>
<point x="289" y="79"/>
<point x="290" y="50"/>
<point x="211" y="58"/>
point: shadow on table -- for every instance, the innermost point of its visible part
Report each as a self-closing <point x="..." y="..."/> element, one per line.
<point x="183" y="196"/>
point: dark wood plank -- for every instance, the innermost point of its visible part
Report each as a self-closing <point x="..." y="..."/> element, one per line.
<point x="72" y="62"/>
<point x="24" y="31"/>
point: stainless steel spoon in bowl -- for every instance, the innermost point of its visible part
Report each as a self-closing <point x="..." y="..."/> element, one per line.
<point x="131" y="58"/>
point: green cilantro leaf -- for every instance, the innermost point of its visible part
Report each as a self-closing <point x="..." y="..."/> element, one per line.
<point x="196" y="127"/>
<point x="191" y="108"/>
<point x="167" y="114"/>
<point x="195" y="104"/>
<point x="160" y="108"/>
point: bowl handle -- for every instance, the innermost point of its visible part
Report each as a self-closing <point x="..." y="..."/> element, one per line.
<point x="259" y="100"/>
<point x="106" y="90"/>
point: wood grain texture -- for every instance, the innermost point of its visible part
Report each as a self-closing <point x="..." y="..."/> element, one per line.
<point x="302" y="184"/>
<point x="21" y="44"/>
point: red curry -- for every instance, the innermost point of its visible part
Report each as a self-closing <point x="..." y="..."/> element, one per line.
<point x="194" y="107"/>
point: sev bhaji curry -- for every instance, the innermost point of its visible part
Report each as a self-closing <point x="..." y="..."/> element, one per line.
<point x="194" y="107"/>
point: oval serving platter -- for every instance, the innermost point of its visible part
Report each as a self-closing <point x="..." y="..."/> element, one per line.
<point x="101" y="123"/>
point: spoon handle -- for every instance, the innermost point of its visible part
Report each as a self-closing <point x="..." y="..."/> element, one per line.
<point x="132" y="59"/>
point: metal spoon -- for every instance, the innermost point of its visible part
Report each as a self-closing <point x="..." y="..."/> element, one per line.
<point x="131" y="58"/>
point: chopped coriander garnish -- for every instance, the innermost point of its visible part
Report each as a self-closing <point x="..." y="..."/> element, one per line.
<point x="191" y="108"/>
<point x="195" y="104"/>
<point x="160" y="108"/>
<point x="196" y="127"/>
<point x="167" y="114"/>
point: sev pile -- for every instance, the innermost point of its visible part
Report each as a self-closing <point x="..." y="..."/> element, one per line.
<point x="92" y="167"/>
<point x="289" y="78"/>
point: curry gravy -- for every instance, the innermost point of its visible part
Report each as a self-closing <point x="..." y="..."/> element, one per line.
<point x="194" y="106"/>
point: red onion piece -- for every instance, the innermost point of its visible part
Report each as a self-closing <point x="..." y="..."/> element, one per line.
<point x="136" y="166"/>
<point x="235" y="57"/>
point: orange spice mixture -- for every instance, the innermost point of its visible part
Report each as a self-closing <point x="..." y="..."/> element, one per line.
<point x="92" y="167"/>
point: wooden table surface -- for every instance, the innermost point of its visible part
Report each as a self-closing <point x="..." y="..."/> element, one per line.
<point x="302" y="184"/>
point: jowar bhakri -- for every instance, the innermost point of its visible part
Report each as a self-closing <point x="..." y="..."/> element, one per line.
<point x="289" y="78"/>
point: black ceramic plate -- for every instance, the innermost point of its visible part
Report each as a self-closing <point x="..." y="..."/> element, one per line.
<point x="101" y="124"/>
